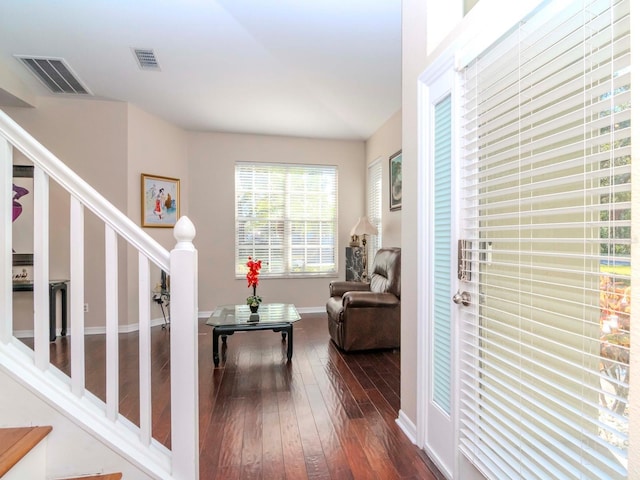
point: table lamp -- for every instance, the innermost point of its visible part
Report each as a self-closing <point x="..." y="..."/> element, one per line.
<point x="362" y="229"/>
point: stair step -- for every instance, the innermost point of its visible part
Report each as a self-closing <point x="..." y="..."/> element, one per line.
<point x="15" y="443"/>
<point x="105" y="476"/>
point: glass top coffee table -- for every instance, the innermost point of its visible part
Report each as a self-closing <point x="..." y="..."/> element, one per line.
<point x="228" y="319"/>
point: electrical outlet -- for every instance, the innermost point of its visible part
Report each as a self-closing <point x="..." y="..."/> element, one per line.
<point x="86" y="307"/>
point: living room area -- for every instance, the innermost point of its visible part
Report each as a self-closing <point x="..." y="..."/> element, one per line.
<point x="110" y="143"/>
<point x="95" y="130"/>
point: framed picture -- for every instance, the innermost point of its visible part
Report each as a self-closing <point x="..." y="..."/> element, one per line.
<point x="22" y="271"/>
<point x="160" y="201"/>
<point x="395" y="181"/>
<point x="22" y="211"/>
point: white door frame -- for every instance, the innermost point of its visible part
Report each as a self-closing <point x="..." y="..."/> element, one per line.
<point x="430" y="91"/>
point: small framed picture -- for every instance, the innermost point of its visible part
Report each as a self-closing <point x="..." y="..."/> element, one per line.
<point x="395" y="181"/>
<point x="160" y="200"/>
<point x="22" y="271"/>
<point x="22" y="211"/>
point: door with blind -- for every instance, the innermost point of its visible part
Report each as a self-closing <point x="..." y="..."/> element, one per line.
<point x="546" y="207"/>
<point x="439" y="192"/>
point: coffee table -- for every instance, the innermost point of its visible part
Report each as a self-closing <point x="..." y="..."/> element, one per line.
<point x="228" y="319"/>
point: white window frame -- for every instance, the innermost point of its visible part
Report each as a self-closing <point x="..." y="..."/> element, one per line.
<point x="374" y="208"/>
<point x="278" y="252"/>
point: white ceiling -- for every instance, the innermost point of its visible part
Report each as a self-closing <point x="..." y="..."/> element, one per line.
<point x="315" y="68"/>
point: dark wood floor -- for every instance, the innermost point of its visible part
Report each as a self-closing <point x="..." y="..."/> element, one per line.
<point x="324" y="415"/>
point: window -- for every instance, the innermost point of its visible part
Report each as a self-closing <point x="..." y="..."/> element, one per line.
<point x="374" y="209"/>
<point x="547" y="170"/>
<point x="287" y="216"/>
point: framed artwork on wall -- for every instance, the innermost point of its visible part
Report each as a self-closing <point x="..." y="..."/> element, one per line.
<point x="395" y="181"/>
<point x="22" y="271"/>
<point x="160" y="200"/>
<point x="22" y="224"/>
<point x="22" y="211"/>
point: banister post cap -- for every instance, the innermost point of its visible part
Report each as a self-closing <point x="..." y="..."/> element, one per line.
<point x="184" y="231"/>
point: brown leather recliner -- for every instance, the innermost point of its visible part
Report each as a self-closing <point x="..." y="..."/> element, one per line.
<point x="366" y="316"/>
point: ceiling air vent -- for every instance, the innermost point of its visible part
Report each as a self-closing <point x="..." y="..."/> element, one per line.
<point x="146" y="59"/>
<point x="55" y="74"/>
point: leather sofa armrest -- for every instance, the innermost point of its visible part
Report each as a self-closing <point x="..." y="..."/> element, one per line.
<point x="339" y="288"/>
<point x="369" y="299"/>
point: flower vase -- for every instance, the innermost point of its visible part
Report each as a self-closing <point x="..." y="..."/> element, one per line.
<point x="254" y="308"/>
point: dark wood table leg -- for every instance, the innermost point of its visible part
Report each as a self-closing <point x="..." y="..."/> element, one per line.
<point x="63" y="305"/>
<point x="54" y="288"/>
<point x="289" y="342"/>
<point x="52" y="312"/>
<point x="284" y="336"/>
<point x="216" y="356"/>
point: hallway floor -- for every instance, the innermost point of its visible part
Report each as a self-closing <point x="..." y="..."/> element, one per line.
<point x="324" y="415"/>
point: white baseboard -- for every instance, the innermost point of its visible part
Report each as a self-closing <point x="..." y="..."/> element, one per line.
<point x="311" y="309"/>
<point x="207" y="313"/>
<point x="133" y="327"/>
<point x="407" y="426"/>
<point x="94" y="330"/>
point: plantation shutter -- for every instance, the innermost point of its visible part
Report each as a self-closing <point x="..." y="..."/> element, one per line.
<point x="374" y="209"/>
<point x="287" y="216"/>
<point x="547" y="165"/>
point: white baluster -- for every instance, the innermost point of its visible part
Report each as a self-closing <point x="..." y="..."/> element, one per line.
<point x="6" y="287"/>
<point x="41" y="268"/>
<point x="76" y="283"/>
<point x="144" y="305"/>
<point x="111" y="310"/>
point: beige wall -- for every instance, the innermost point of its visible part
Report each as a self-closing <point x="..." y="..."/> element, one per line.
<point x="386" y="141"/>
<point x="212" y="157"/>
<point x="109" y="144"/>
<point x="414" y="55"/>
<point x="13" y="93"/>
<point x="90" y="137"/>
<point x="158" y="148"/>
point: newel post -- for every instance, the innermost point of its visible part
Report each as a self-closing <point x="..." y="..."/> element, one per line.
<point x="184" y="353"/>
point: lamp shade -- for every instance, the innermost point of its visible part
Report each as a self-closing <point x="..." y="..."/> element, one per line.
<point x="364" y="227"/>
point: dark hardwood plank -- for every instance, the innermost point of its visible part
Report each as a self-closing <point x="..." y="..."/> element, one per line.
<point x="331" y="445"/>
<point x="292" y="453"/>
<point x="326" y="414"/>
<point x="272" y="452"/>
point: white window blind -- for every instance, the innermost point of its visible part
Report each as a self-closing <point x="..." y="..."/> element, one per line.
<point x="287" y="216"/>
<point x="547" y="169"/>
<point x="441" y="348"/>
<point x="374" y="209"/>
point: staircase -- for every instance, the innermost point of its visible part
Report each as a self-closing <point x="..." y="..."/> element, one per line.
<point x="37" y="393"/>
<point x="21" y="455"/>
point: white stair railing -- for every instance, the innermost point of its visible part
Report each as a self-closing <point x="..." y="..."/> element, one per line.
<point x="134" y="443"/>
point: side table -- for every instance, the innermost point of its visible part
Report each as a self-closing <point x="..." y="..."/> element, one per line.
<point x="55" y="286"/>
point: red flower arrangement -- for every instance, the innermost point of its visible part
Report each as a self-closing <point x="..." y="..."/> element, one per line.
<point x="252" y="281"/>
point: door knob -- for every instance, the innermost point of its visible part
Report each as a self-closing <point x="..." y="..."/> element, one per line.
<point x="463" y="298"/>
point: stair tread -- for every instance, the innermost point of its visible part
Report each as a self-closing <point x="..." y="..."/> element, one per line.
<point x="16" y="442"/>
<point x="104" y="476"/>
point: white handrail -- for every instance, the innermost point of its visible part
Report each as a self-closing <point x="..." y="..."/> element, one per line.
<point x="78" y="188"/>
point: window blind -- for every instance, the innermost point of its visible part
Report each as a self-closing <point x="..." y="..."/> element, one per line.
<point x="441" y="348"/>
<point x="547" y="210"/>
<point x="287" y="216"/>
<point x="374" y="209"/>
